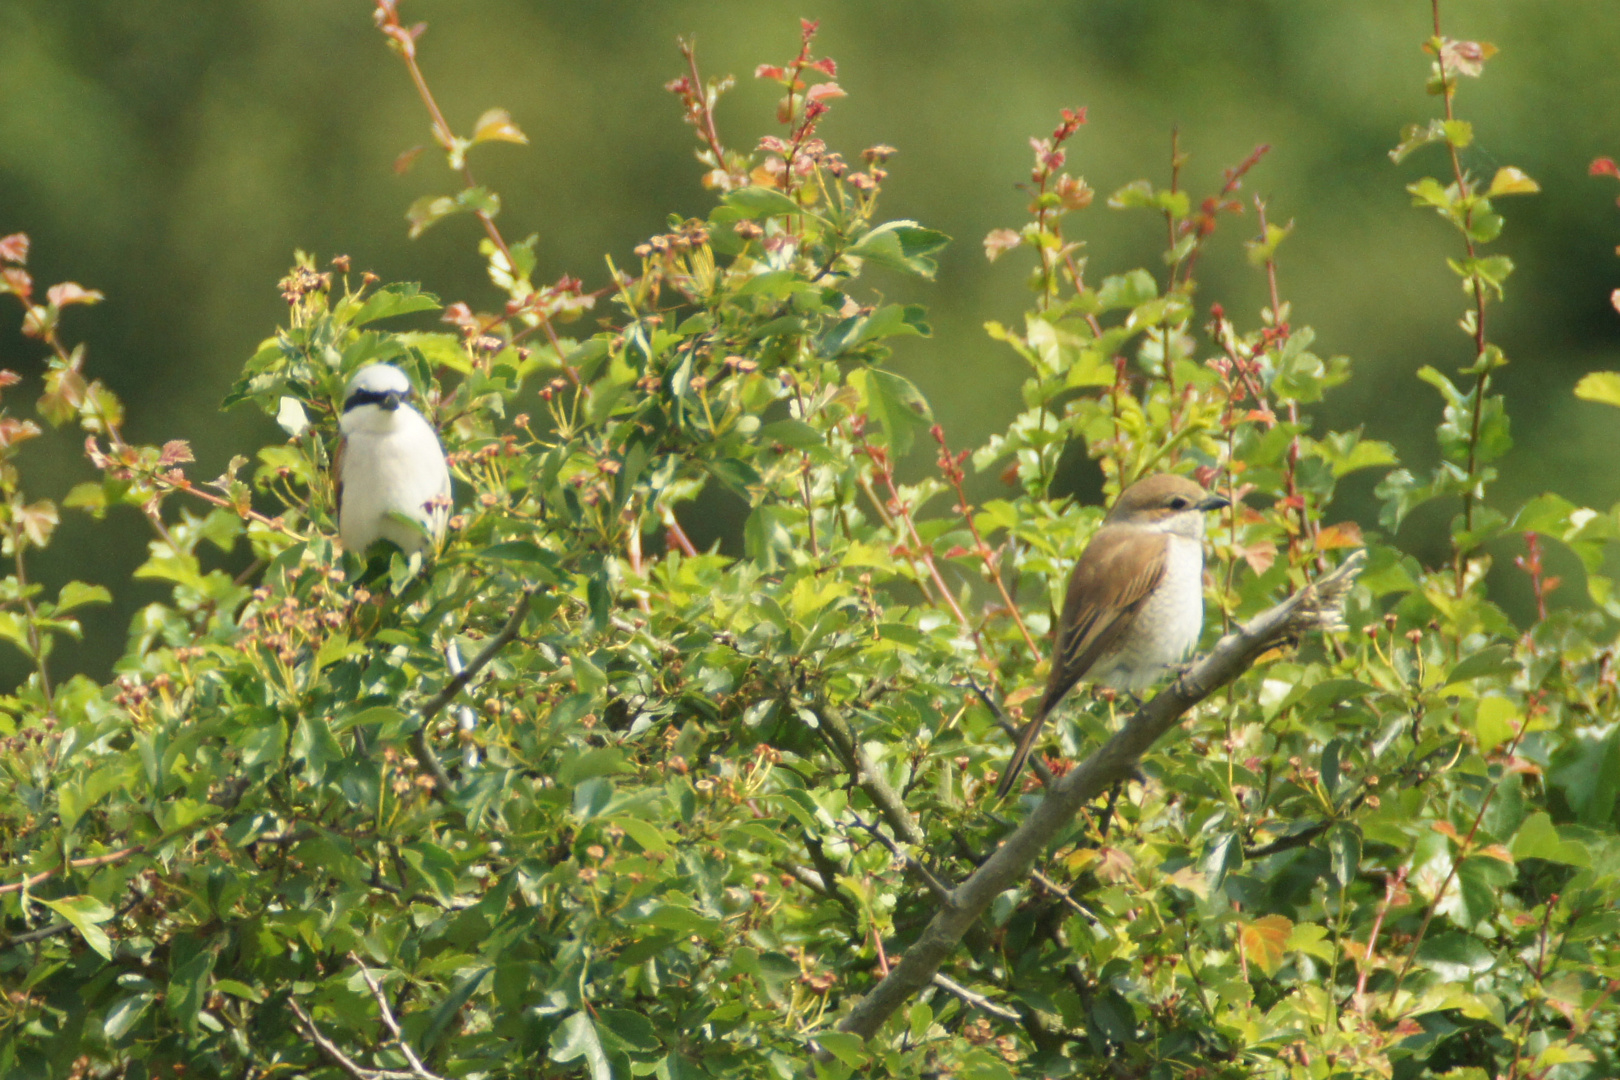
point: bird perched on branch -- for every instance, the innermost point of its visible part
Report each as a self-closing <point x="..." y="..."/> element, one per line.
<point x="392" y="479"/>
<point x="1135" y="604"/>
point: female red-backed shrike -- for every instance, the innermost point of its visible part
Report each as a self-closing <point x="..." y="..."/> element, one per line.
<point x="389" y="466"/>
<point x="1135" y="605"/>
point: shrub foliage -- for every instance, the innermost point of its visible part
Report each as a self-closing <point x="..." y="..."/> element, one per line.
<point x="575" y="798"/>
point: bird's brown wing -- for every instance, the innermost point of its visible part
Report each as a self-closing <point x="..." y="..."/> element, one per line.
<point x="1115" y="575"/>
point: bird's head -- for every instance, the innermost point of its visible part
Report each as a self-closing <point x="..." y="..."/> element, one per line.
<point x="382" y="385"/>
<point x="1165" y="502"/>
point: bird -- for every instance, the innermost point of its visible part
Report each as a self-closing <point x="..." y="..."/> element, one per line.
<point x="389" y="466"/>
<point x="1135" y="601"/>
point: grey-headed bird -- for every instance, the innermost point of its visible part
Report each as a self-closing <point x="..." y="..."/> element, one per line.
<point x="1135" y="604"/>
<point x="389" y="462"/>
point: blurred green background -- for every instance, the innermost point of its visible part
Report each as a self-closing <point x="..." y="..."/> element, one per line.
<point x="173" y="154"/>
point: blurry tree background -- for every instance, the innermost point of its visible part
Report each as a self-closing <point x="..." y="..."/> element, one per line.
<point x="173" y="154"/>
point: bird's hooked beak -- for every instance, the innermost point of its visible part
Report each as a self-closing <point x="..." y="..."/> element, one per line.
<point x="391" y="400"/>
<point x="1215" y="502"/>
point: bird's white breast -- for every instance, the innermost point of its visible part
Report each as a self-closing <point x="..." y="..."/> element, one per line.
<point x="392" y="463"/>
<point x="1166" y="626"/>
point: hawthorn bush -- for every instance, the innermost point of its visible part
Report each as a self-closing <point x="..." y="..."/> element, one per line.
<point x="574" y="798"/>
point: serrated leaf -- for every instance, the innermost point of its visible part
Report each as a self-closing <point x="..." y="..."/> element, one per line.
<point x="76" y="594"/>
<point x="1265" y="941"/>
<point x="390" y="300"/>
<point x="898" y="406"/>
<point x="902" y="245"/>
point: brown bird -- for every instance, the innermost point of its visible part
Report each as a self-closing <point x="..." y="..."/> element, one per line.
<point x="1135" y="604"/>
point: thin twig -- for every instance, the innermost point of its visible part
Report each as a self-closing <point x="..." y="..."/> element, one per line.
<point x="1064" y="895"/>
<point x="952" y="467"/>
<point x="74" y="864"/>
<point x="1391" y="885"/>
<point x="878" y="789"/>
<point x="343" y="1061"/>
<point x="977" y="1000"/>
<point x="388" y="1019"/>
<point x="419" y="743"/>
<point x="935" y="886"/>
<point x="46" y="932"/>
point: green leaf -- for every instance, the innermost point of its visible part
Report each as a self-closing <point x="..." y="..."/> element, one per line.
<point x="86" y="914"/>
<point x="1496" y="719"/>
<point x="1415" y="136"/>
<point x="1600" y="386"/>
<point x="1511" y="181"/>
<point x="126" y="1012"/>
<point x="1539" y="838"/>
<point x="189" y="986"/>
<point x="682" y="920"/>
<point x="429" y="210"/>
<point x="1127" y="290"/>
<point x="630" y="1028"/>
<point x="290" y="416"/>
<point x="795" y="434"/>
<point x="647" y="836"/>
<point x="845" y="1046"/>
<point x="1587" y="771"/>
<point x="576" y="1038"/>
<point x="1492" y="660"/>
<point x="439" y="1019"/>
<point x="436" y="867"/>
<point x="902" y="245"/>
<point x="1260" y="252"/>
<point x="1455" y="957"/>
<point x="496" y="125"/>
<point x="897" y="406"/>
<point x="391" y="300"/>
<point x="760" y="202"/>
<point x="1141" y="195"/>
<point x="1224" y="854"/>
<point x="76" y="594"/>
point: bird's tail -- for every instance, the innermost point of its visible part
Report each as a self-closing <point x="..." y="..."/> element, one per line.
<point x="1020" y="754"/>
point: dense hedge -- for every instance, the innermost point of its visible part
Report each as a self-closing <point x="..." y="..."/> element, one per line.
<point x="681" y="810"/>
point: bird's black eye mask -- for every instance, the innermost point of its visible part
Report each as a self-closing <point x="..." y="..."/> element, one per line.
<point x="388" y="399"/>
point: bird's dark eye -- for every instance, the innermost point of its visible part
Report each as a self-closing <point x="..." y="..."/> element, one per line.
<point x="1178" y="503"/>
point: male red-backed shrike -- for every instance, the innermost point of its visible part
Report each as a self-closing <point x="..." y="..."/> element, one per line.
<point x="389" y="462"/>
<point x="1135" y="604"/>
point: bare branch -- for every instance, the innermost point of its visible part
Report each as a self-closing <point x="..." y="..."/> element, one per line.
<point x="1317" y="608"/>
<point x="390" y="1023"/>
<point x="883" y="796"/>
<point x="975" y="999"/>
<point x="343" y="1061"/>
